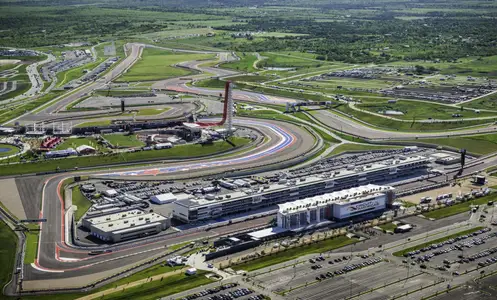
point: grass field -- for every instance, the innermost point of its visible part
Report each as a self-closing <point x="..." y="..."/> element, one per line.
<point x="156" y="64"/>
<point x="249" y="78"/>
<point x="182" y="151"/>
<point x="423" y="245"/>
<point x="12" y="150"/>
<point x="123" y="141"/>
<point x="8" y="240"/>
<point x="326" y="137"/>
<point x="488" y="102"/>
<point x="245" y="64"/>
<point x="388" y="226"/>
<point x="82" y="203"/>
<point x="152" y="111"/>
<point x="389" y="124"/>
<point x="31" y="244"/>
<point x="293" y="253"/>
<point x="422" y="110"/>
<point x="360" y="147"/>
<point x="477" y="144"/>
<point x="76" y="142"/>
<point x="6" y="115"/>
<point x="459" y="208"/>
<point x="288" y="60"/>
<point x="162" y="288"/>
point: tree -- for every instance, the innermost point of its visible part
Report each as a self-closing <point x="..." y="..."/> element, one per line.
<point x="419" y="69"/>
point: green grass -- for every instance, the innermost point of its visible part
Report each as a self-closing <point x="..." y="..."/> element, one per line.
<point x="156" y="289"/>
<point x="8" y="240"/>
<point x="422" y="110"/>
<point x="82" y="203"/>
<point x="152" y="111"/>
<point x="76" y="142"/>
<point x="423" y="245"/>
<point x="182" y="151"/>
<point x="156" y="64"/>
<point x="389" y="124"/>
<point x="249" y="78"/>
<point x="123" y="141"/>
<point x="293" y="253"/>
<point x="360" y="147"/>
<point x="287" y="60"/>
<point x="93" y="124"/>
<point x="265" y="114"/>
<point x="7" y="115"/>
<point x="31" y="244"/>
<point x="477" y="144"/>
<point x="388" y="226"/>
<point x="12" y="150"/>
<point x="458" y="208"/>
<point x="245" y="64"/>
<point x="210" y="83"/>
<point x="326" y="137"/>
<point x="488" y="102"/>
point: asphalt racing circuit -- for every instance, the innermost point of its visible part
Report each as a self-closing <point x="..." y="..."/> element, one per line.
<point x="59" y="261"/>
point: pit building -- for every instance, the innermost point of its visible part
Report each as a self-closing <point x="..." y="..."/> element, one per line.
<point x="126" y="225"/>
<point x="193" y="209"/>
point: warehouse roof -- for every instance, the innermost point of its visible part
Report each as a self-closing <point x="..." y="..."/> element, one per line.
<point x="125" y="220"/>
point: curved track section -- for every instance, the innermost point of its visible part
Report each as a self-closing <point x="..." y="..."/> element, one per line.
<point x="56" y="259"/>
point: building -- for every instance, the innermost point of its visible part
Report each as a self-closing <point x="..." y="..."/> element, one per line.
<point x="126" y="225"/>
<point x="339" y="205"/>
<point x="61" y="153"/>
<point x="244" y="200"/>
<point x="85" y="149"/>
<point x="163" y="198"/>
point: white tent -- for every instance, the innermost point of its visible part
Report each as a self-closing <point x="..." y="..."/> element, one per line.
<point x="163" y="198"/>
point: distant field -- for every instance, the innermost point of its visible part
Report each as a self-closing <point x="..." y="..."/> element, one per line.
<point x="422" y="110"/>
<point x="287" y="60"/>
<point x="488" y="102"/>
<point x="152" y="111"/>
<point x="468" y="66"/>
<point x="478" y="144"/>
<point x="245" y="64"/>
<point x="249" y="78"/>
<point x="156" y="64"/>
<point x="389" y="124"/>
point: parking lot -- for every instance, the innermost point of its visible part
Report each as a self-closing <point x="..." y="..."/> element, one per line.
<point x="227" y="291"/>
<point x="458" y="255"/>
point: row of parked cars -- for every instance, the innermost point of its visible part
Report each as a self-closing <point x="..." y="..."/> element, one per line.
<point x="211" y="291"/>
<point x="349" y="268"/>
<point x="447" y="242"/>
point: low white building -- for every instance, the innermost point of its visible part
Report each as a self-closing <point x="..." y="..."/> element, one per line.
<point x="163" y="198"/>
<point x="126" y="225"/>
<point x="338" y="205"/>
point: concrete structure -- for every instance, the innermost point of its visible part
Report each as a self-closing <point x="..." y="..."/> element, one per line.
<point x="163" y="198"/>
<point x="243" y="200"/>
<point x="85" y="149"/>
<point x="334" y="206"/>
<point x="126" y="225"/>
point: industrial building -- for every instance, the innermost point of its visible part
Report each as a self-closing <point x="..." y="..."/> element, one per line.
<point x="339" y="205"/>
<point x="126" y="225"/>
<point x="193" y="208"/>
